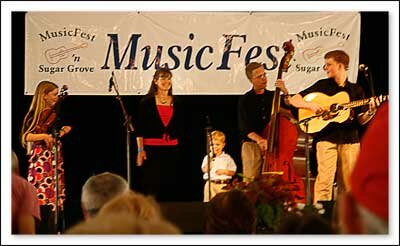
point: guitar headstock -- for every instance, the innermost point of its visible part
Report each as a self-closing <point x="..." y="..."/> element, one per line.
<point x="289" y="52"/>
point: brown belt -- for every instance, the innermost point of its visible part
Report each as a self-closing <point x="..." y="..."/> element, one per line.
<point x="221" y="181"/>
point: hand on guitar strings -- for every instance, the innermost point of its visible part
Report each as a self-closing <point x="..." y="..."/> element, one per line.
<point x="316" y="108"/>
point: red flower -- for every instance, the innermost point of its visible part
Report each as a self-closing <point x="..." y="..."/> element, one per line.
<point x="271" y="196"/>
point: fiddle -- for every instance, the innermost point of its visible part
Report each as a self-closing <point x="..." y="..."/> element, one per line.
<point x="49" y="116"/>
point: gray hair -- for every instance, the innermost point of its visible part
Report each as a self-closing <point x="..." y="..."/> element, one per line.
<point x="101" y="188"/>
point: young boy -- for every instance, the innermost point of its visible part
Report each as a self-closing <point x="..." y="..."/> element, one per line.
<point x="222" y="167"/>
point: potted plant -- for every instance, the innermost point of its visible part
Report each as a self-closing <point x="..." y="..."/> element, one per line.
<point x="272" y="197"/>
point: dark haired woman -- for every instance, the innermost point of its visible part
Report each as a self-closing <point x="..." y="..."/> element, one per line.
<point x="159" y="138"/>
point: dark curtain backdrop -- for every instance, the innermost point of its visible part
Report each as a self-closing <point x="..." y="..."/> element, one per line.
<point x="98" y="143"/>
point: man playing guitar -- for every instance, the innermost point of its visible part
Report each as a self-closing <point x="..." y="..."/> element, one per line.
<point x="338" y="144"/>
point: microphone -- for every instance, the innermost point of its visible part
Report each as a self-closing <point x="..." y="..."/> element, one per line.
<point x="362" y="68"/>
<point x="208" y="123"/>
<point x="208" y="129"/>
<point x="111" y="82"/>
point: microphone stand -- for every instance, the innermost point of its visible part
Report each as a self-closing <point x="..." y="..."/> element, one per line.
<point x="56" y="136"/>
<point x="368" y="78"/>
<point x="308" y="169"/>
<point x="55" y="132"/>
<point x="128" y="126"/>
<point x="210" y="152"/>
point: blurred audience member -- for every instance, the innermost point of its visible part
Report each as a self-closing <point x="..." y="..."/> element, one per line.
<point x="127" y="213"/>
<point x="230" y="213"/>
<point x="122" y="223"/>
<point x="304" y="223"/>
<point x="25" y="204"/>
<point x="134" y="204"/>
<point x="100" y="189"/>
<point x="364" y="210"/>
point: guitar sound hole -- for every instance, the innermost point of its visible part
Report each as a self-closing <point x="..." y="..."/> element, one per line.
<point x="334" y="107"/>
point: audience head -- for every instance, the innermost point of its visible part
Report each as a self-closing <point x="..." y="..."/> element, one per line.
<point x="127" y="213"/>
<point x="134" y="204"/>
<point x="25" y="211"/>
<point x="122" y="223"/>
<point x="14" y="163"/>
<point x="100" y="189"/>
<point x="304" y="223"/>
<point x="230" y="213"/>
<point x="365" y="208"/>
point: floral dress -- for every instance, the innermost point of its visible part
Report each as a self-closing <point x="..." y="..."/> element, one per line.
<point x="41" y="174"/>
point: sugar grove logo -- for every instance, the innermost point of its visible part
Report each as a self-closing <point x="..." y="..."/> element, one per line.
<point x="312" y="55"/>
<point x="53" y="56"/>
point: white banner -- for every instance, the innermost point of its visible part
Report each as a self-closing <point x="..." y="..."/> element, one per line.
<point x="206" y="51"/>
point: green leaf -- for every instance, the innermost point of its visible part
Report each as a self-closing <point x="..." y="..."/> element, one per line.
<point x="266" y="215"/>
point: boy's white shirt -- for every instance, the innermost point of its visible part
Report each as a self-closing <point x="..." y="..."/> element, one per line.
<point x="224" y="161"/>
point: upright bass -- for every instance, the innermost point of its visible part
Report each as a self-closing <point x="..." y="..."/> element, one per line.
<point x="282" y="137"/>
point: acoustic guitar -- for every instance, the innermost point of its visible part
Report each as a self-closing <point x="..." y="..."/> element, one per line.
<point x="337" y="109"/>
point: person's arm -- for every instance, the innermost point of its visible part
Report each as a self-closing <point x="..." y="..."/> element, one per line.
<point x="33" y="137"/>
<point x="204" y="164"/>
<point x="65" y="130"/>
<point x="298" y="102"/>
<point x="26" y="224"/>
<point x="281" y="85"/>
<point x="262" y="142"/>
<point x="29" y="212"/>
<point x="286" y="99"/>
<point x="140" y="128"/>
<point x="225" y="172"/>
<point x="141" y="155"/>
<point x="245" y="128"/>
<point x="365" y="117"/>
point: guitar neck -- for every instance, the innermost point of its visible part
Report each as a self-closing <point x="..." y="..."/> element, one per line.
<point x="359" y="103"/>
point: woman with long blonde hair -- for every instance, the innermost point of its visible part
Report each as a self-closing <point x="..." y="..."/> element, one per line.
<point x="36" y="136"/>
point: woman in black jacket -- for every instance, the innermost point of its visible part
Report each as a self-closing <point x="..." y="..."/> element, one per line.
<point x="159" y="134"/>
